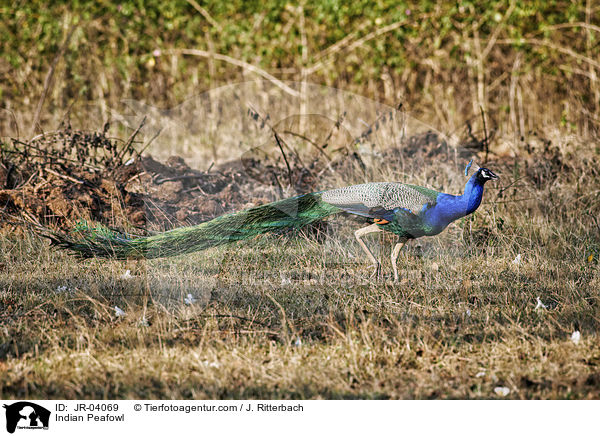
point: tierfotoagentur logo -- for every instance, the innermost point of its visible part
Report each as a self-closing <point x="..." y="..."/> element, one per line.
<point x="26" y="415"/>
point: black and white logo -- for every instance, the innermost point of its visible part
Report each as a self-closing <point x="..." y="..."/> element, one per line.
<point x="26" y="415"/>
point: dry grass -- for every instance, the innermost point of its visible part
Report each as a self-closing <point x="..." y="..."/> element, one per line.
<point x="453" y="328"/>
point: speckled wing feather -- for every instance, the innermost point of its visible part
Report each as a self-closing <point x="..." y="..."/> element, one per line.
<point x="370" y="199"/>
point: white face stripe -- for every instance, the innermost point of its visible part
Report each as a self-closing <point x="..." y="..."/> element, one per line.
<point x="487" y="174"/>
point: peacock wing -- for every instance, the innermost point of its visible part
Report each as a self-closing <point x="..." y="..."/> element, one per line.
<point x="380" y="200"/>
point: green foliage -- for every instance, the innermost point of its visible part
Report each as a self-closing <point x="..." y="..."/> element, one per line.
<point x="118" y="42"/>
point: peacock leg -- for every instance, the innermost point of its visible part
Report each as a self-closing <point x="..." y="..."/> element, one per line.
<point x="394" y="256"/>
<point x="364" y="231"/>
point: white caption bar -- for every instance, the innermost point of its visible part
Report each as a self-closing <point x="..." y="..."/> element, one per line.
<point x="156" y="417"/>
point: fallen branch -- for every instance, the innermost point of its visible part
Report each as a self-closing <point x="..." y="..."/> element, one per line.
<point x="564" y="50"/>
<point x="64" y="176"/>
<point x="205" y="14"/>
<point x="233" y="61"/>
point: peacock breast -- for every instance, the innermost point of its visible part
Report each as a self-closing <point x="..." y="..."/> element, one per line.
<point x="408" y="225"/>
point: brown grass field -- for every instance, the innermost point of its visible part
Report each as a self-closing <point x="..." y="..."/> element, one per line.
<point x="298" y="316"/>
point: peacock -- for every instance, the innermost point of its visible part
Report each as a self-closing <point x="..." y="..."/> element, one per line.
<point x="407" y="211"/>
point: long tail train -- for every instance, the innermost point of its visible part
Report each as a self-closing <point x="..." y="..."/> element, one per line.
<point x="293" y="212"/>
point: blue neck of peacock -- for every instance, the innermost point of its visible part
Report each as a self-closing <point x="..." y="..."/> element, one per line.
<point x="449" y="208"/>
<point x="472" y="194"/>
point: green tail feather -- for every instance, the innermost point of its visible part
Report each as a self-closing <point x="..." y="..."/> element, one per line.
<point x="294" y="212"/>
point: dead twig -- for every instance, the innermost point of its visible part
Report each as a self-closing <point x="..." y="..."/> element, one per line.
<point x="310" y="141"/>
<point x="564" y="50"/>
<point x="48" y="79"/>
<point x="128" y="144"/>
<point x="205" y="14"/>
<point x="255" y="114"/>
<point x="143" y="149"/>
<point x="160" y="181"/>
<point x="64" y="176"/>
<point x="284" y="158"/>
<point x="486" y="143"/>
<point x="237" y="63"/>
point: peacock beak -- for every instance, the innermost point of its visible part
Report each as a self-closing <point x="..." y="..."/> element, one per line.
<point x="494" y="176"/>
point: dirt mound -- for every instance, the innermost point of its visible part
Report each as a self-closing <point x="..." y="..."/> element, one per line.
<point x="65" y="176"/>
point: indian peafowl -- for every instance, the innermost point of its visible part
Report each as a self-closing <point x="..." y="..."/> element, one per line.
<point x="406" y="210"/>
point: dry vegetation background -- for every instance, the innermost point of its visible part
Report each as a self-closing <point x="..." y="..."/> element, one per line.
<point x="297" y="315"/>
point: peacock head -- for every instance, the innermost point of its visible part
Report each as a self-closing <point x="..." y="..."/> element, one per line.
<point x="483" y="175"/>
